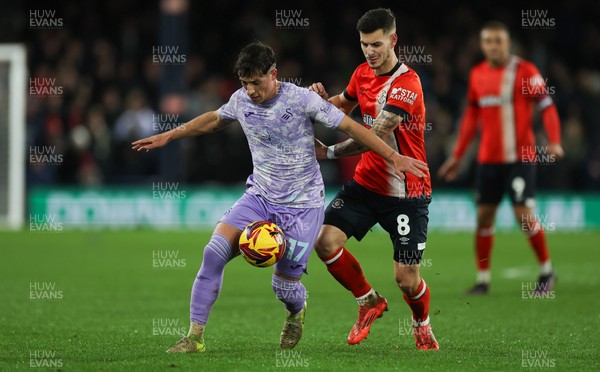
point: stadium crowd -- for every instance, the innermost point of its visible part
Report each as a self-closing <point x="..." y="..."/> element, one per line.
<point x="103" y="59"/>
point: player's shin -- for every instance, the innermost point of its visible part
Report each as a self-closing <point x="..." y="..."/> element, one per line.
<point x="209" y="280"/>
<point x="537" y="240"/>
<point x="347" y="271"/>
<point x="291" y="292"/>
<point x="484" y="241"/>
<point x="418" y="301"/>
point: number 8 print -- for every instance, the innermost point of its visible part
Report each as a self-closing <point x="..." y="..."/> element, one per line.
<point x="403" y="227"/>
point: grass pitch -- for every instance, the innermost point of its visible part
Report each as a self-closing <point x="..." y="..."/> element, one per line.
<point x="115" y="300"/>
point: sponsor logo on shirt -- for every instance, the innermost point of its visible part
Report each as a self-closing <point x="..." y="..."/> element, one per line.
<point x="404" y="95"/>
<point x="490" y="101"/>
<point x="266" y="114"/>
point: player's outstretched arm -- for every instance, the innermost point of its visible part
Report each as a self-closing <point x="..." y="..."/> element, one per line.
<point x="206" y="123"/>
<point x="468" y="128"/>
<point x="367" y="139"/>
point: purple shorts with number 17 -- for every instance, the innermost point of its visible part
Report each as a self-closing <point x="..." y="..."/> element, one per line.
<point x="300" y="226"/>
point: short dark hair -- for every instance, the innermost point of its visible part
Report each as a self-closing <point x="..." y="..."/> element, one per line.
<point x="254" y="59"/>
<point x="375" y="19"/>
<point x="495" y="25"/>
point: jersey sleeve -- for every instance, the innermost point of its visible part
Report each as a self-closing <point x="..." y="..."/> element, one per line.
<point x="323" y="112"/>
<point x="228" y="110"/>
<point x="534" y="86"/>
<point x="402" y="97"/>
<point x="351" y="93"/>
<point x="468" y="124"/>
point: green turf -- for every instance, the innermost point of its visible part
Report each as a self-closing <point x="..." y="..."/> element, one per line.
<point x="112" y="294"/>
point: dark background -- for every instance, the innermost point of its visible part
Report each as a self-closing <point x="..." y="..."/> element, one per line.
<point x="102" y="57"/>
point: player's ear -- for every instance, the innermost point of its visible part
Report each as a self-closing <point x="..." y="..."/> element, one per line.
<point x="274" y="73"/>
<point x="393" y="40"/>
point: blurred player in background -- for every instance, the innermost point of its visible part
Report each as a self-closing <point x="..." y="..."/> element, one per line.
<point x="501" y="96"/>
<point x="391" y="100"/>
<point x="286" y="186"/>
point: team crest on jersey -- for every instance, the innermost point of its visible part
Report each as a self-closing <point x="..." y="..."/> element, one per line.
<point x="287" y="116"/>
<point x="382" y="96"/>
<point x="337" y="203"/>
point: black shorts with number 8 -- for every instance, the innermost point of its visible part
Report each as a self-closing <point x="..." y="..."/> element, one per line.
<point x="355" y="210"/>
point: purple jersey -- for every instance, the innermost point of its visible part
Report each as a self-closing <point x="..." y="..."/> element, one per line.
<point x="281" y="139"/>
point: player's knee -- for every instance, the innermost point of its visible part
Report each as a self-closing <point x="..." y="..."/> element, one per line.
<point x="485" y="216"/>
<point x="408" y="278"/>
<point x="327" y="244"/>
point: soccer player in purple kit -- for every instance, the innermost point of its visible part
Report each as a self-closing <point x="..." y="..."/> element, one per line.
<point x="286" y="186"/>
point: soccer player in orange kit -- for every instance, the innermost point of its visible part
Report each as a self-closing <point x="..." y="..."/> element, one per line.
<point x="391" y="101"/>
<point x="502" y="93"/>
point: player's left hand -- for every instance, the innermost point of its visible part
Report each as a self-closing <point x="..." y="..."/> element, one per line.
<point x="407" y="164"/>
<point x="320" y="150"/>
<point x="556" y="150"/>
